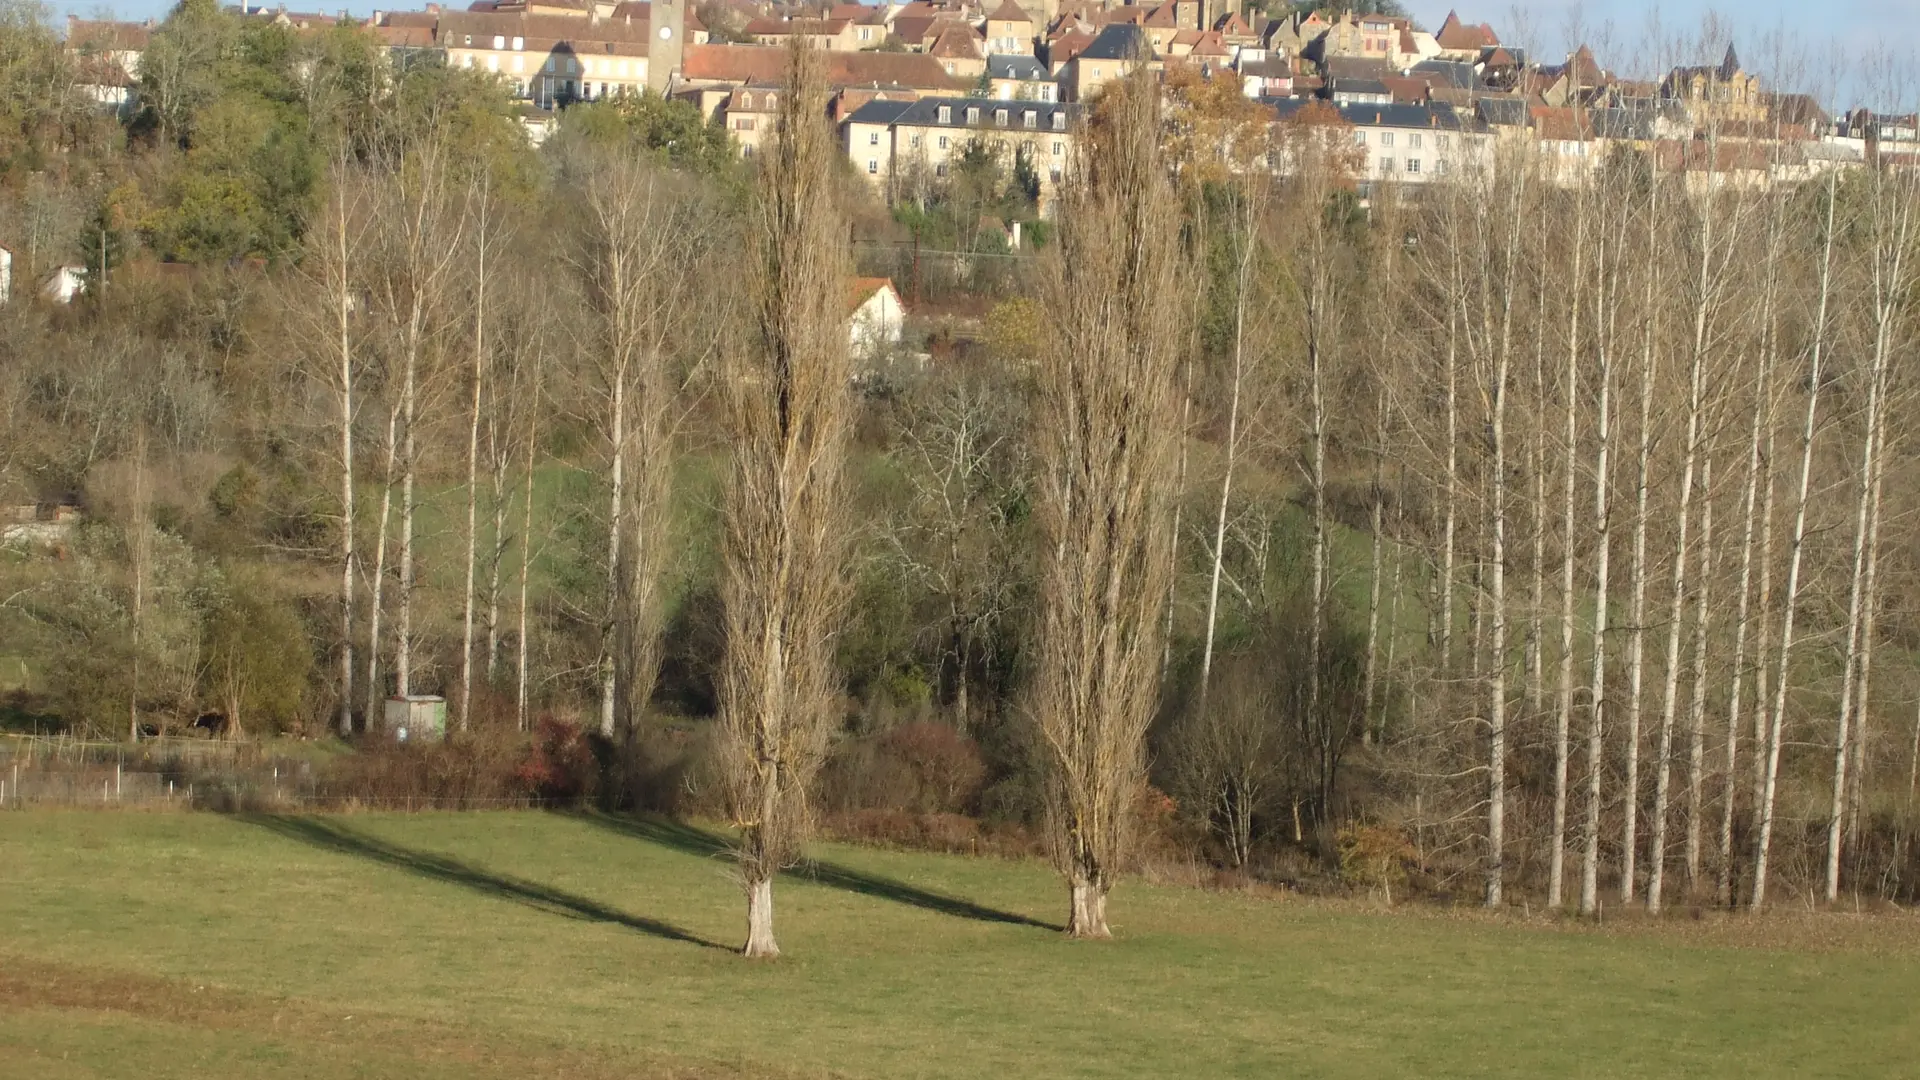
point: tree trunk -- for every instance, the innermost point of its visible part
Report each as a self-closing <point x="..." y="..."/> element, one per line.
<point x="1637" y="635"/>
<point x="1243" y="281"/>
<point x="343" y="311"/>
<point x="1603" y="599"/>
<point x="1087" y="908"/>
<point x="1676" y="618"/>
<point x="616" y="506"/>
<point x="526" y="566"/>
<point x="1563" y="711"/>
<point x="377" y="580"/>
<point x="478" y="378"/>
<point x="1697" y="713"/>
<point x="1742" y="627"/>
<point x="1449" y="491"/>
<point x="1497" y="658"/>
<point x="499" y="456"/>
<point x="403" y="625"/>
<point x="760" y="943"/>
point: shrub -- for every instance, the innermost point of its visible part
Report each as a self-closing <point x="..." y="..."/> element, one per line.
<point x="945" y="766"/>
<point x="1374" y="855"/>
<point x="559" y="765"/>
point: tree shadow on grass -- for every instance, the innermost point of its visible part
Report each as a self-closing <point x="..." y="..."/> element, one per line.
<point x="333" y="835"/>
<point x="693" y="840"/>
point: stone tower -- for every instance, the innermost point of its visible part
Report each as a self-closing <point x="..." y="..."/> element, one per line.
<point x="666" y="43"/>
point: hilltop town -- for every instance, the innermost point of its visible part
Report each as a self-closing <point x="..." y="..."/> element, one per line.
<point x="914" y="84"/>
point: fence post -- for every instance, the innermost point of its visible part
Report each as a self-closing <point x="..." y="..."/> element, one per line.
<point x="119" y="789"/>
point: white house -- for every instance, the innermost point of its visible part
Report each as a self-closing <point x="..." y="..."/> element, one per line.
<point x="64" y="284"/>
<point x="877" y="316"/>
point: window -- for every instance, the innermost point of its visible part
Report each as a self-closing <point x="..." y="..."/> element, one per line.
<point x="1055" y="175"/>
<point x="499" y="42"/>
<point x="1059" y="148"/>
<point x="946" y="114"/>
<point x="493" y="63"/>
<point x="973" y="114"/>
<point x="873" y="138"/>
<point x="1413" y="141"/>
<point x="1059" y="121"/>
<point x="943" y="145"/>
<point x="1386" y="138"/>
<point x="949" y="69"/>
<point x="866" y="33"/>
<point x="914" y="142"/>
<point x="743" y="123"/>
<point x="999" y="118"/>
<point x="940" y="169"/>
<point x="466" y="39"/>
<point x="1413" y="164"/>
<point x="1440" y="166"/>
<point x="1360" y="138"/>
<point x="1440" y="141"/>
<point x="519" y="43"/>
<point x="1030" y="119"/>
<point x="1386" y="164"/>
<point x="873" y="166"/>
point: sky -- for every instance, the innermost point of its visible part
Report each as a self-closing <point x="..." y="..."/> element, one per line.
<point x="1850" y="31"/>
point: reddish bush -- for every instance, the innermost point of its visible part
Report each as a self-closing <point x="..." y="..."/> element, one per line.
<point x="945" y="765"/>
<point x="559" y="764"/>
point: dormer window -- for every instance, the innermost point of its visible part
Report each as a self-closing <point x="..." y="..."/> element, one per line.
<point x="1030" y="119"/>
<point x="973" y="114"/>
<point x="1000" y="118"/>
<point x="1059" y="121"/>
<point x="946" y="114"/>
<point x="519" y="44"/>
<point x="499" y="41"/>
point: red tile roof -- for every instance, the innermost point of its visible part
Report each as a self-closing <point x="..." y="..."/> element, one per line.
<point x="768" y="64"/>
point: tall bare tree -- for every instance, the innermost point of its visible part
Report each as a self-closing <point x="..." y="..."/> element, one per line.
<point x="789" y="409"/>
<point x="1105" y="418"/>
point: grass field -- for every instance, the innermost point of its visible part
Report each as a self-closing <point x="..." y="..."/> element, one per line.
<point x="514" y="945"/>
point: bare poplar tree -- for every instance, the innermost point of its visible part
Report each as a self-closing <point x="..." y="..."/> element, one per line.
<point x="336" y="256"/>
<point x="642" y="232"/>
<point x="1889" y="227"/>
<point x="1105" y="420"/>
<point x="790" y="411"/>
<point x="482" y="225"/>
<point x="1816" y="378"/>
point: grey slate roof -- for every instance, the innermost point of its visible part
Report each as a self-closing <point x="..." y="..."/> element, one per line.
<point x="1359" y="86"/>
<point x="1016" y="67"/>
<point x="879" y="111"/>
<point x="1505" y="111"/>
<point x="1456" y="75"/>
<point x="926" y="113"/>
<point x="1116" y="41"/>
<point x="1440" y="117"/>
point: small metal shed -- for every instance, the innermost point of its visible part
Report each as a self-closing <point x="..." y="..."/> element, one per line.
<point x="416" y="718"/>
